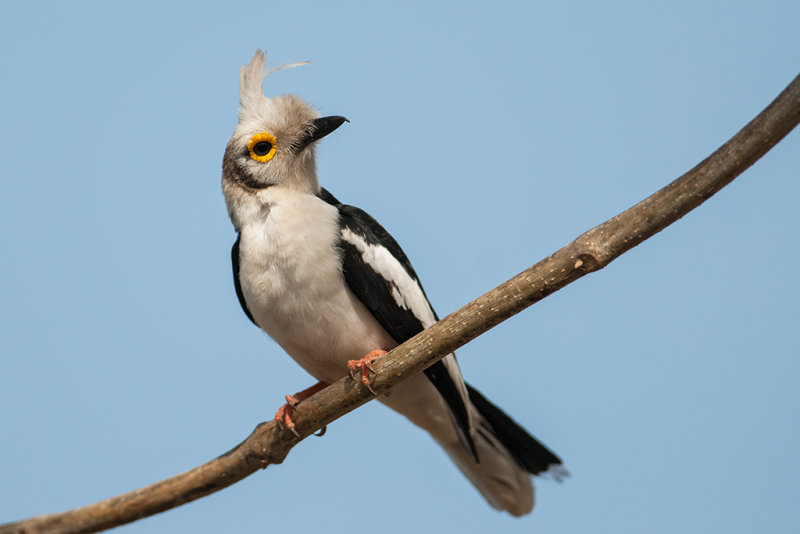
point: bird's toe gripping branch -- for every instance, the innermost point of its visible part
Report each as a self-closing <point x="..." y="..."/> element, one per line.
<point x="284" y="414"/>
<point x="365" y="364"/>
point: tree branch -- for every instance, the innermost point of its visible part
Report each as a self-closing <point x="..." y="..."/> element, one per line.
<point x="589" y="252"/>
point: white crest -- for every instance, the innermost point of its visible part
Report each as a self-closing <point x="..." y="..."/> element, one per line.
<point x="251" y="95"/>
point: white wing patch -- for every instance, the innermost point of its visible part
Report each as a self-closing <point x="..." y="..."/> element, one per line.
<point x="407" y="294"/>
<point x="406" y="291"/>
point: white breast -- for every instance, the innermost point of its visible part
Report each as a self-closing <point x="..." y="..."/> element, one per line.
<point x="290" y="272"/>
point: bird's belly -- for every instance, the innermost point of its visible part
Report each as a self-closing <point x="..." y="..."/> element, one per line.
<point x="326" y="334"/>
<point x="291" y="279"/>
<point x="297" y="294"/>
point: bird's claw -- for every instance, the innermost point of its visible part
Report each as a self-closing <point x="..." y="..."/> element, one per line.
<point x="365" y="365"/>
<point x="284" y="414"/>
<point x="284" y="417"/>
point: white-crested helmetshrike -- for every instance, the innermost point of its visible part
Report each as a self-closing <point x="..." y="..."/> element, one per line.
<point x="335" y="291"/>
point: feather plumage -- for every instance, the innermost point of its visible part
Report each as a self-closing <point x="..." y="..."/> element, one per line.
<point x="329" y="284"/>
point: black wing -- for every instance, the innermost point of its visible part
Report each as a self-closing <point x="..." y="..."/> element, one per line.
<point x="236" y="283"/>
<point x="376" y="293"/>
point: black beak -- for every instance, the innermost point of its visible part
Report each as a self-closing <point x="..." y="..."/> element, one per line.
<point x="320" y="128"/>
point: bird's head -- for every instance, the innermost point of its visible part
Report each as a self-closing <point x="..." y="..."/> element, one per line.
<point x="273" y="144"/>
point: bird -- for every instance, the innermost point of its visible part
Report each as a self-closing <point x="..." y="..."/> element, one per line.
<point x="332" y="287"/>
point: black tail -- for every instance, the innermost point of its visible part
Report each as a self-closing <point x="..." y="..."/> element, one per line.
<point x="524" y="448"/>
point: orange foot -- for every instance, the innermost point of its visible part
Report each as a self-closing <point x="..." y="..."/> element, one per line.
<point x="284" y="414"/>
<point x="365" y="364"/>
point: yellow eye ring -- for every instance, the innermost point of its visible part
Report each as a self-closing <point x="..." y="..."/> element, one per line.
<point x="262" y="146"/>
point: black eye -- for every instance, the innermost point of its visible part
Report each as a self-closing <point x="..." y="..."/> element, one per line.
<point x="262" y="148"/>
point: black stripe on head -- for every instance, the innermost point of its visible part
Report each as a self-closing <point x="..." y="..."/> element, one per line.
<point x="233" y="168"/>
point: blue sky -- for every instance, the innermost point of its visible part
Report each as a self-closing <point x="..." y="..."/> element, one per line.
<point x="484" y="137"/>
